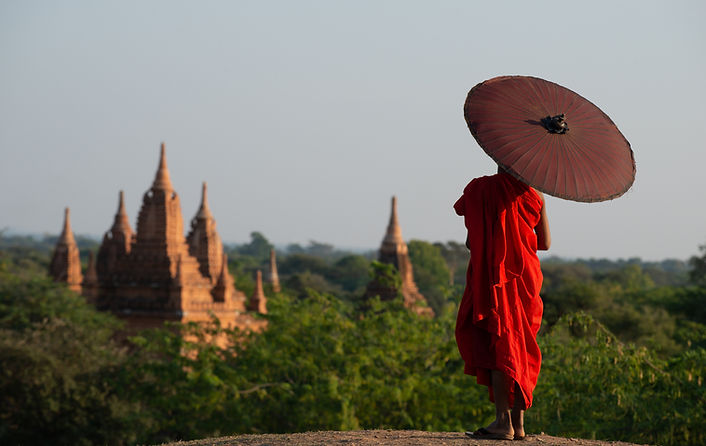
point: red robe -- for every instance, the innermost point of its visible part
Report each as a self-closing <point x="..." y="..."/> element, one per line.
<point x="501" y="311"/>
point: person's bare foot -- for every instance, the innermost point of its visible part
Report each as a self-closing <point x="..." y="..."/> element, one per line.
<point x="517" y="414"/>
<point x="501" y="428"/>
<point x="518" y="423"/>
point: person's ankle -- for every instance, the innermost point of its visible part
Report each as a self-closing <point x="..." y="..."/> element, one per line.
<point x="503" y="422"/>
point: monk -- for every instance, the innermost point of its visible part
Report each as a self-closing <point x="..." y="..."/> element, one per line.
<point x="501" y="311"/>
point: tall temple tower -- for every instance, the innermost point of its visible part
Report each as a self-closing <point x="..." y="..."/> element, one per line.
<point x="156" y="274"/>
<point x="394" y="251"/>
<point x="65" y="262"/>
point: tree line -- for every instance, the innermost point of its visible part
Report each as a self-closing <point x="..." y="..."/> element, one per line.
<point x="624" y="346"/>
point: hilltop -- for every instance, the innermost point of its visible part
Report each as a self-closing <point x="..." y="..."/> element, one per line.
<point x="386" y="437"/>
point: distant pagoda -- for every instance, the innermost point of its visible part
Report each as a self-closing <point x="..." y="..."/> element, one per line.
<point x="65" y="263"/>
<point x="272" y="275"/>
<point x="156" y="274"/>
<point x="394" y="251"/>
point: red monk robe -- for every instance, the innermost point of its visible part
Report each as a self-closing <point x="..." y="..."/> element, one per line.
<point x="501" y="311"/>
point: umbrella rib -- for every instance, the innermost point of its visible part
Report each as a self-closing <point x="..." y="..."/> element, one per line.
<point x="572" y="158"/>
<point x="599" y="166"/>
<point x="515" y="148"/>
<point x="508" y="100"/>
<point x="502" y="133"/>
<point x="542" y="166"/>
<point x="528" y="150"/>
<point x="537" y="95"/>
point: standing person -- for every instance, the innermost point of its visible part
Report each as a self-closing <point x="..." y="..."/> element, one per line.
<point x="501" y="311"/>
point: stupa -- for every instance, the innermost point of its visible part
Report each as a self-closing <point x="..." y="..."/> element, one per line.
<point x="272" y="275"/>
<point x="65" y="263"/>
<point x="258" y="301"/>
<point x="394" y="251"/>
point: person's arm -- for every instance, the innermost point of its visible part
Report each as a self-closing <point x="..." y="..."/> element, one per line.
<point x="544" y="237"/>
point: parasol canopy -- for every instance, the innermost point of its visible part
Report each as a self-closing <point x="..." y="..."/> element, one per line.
<point x="550" y="138"/>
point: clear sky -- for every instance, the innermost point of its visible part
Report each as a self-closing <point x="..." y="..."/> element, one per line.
<point x="305" y="117"/>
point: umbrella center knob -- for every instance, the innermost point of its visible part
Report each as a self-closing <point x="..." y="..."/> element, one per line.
<point x="555" y="124"/>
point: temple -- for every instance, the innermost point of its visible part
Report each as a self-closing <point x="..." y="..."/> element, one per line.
<point x="156" y="273"/>
<point x="393" y="250"/>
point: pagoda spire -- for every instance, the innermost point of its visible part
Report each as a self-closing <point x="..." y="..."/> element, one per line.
<point x="67" y="235"/>
<point x="121" y="223"/>
<point x="204" y="210"/>
<point x="203" y="240"/>
<point x="273" y="276"/>
<point x="65" y="263"/>
<point x="117" y="242"/>
<point x="393" y="235"/>
<point x="160" y="225"/>
<point x="258" y="301"/>
<point x="162" y="180"/>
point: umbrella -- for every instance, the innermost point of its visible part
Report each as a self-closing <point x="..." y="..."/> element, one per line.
<point x="550" y="138"/>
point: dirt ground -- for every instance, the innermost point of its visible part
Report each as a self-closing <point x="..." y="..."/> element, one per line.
<point x="386" y="437"/>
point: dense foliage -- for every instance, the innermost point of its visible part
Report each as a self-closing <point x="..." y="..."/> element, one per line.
<point x="57" y="367"/>
<point x="623" y="344"/>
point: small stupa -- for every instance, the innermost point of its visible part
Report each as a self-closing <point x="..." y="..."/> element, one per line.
<point x="65" y="262"/>
<point x="258" y="301"/>
<point x="272" y="275"/>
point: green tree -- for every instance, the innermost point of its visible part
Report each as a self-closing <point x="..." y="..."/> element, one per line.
<point x="594" y="386"/>
<point x="457" y="257"/>
<point x="325" y="365"/>
<point x="259" y="247"/>
<point x="385" y="283"/>
<point x="430" y="272"/>
<point x="697" y="273"/>
<point x="300" y="263"/>
<point x="351" y="272"/>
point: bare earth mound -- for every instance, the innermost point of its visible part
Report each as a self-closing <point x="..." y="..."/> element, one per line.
<point x="386" y="437"/>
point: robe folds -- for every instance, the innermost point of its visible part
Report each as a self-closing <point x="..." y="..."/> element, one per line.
<point x="501" y="311"/>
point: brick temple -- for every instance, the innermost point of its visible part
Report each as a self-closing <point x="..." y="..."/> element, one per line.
<point x="156" y="273"/>
<point x="394" y="251"/>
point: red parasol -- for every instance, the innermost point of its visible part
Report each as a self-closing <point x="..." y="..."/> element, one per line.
<point x="550" y="138"/>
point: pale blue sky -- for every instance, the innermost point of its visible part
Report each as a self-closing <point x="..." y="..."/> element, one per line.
<point x="305" y="117"/>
